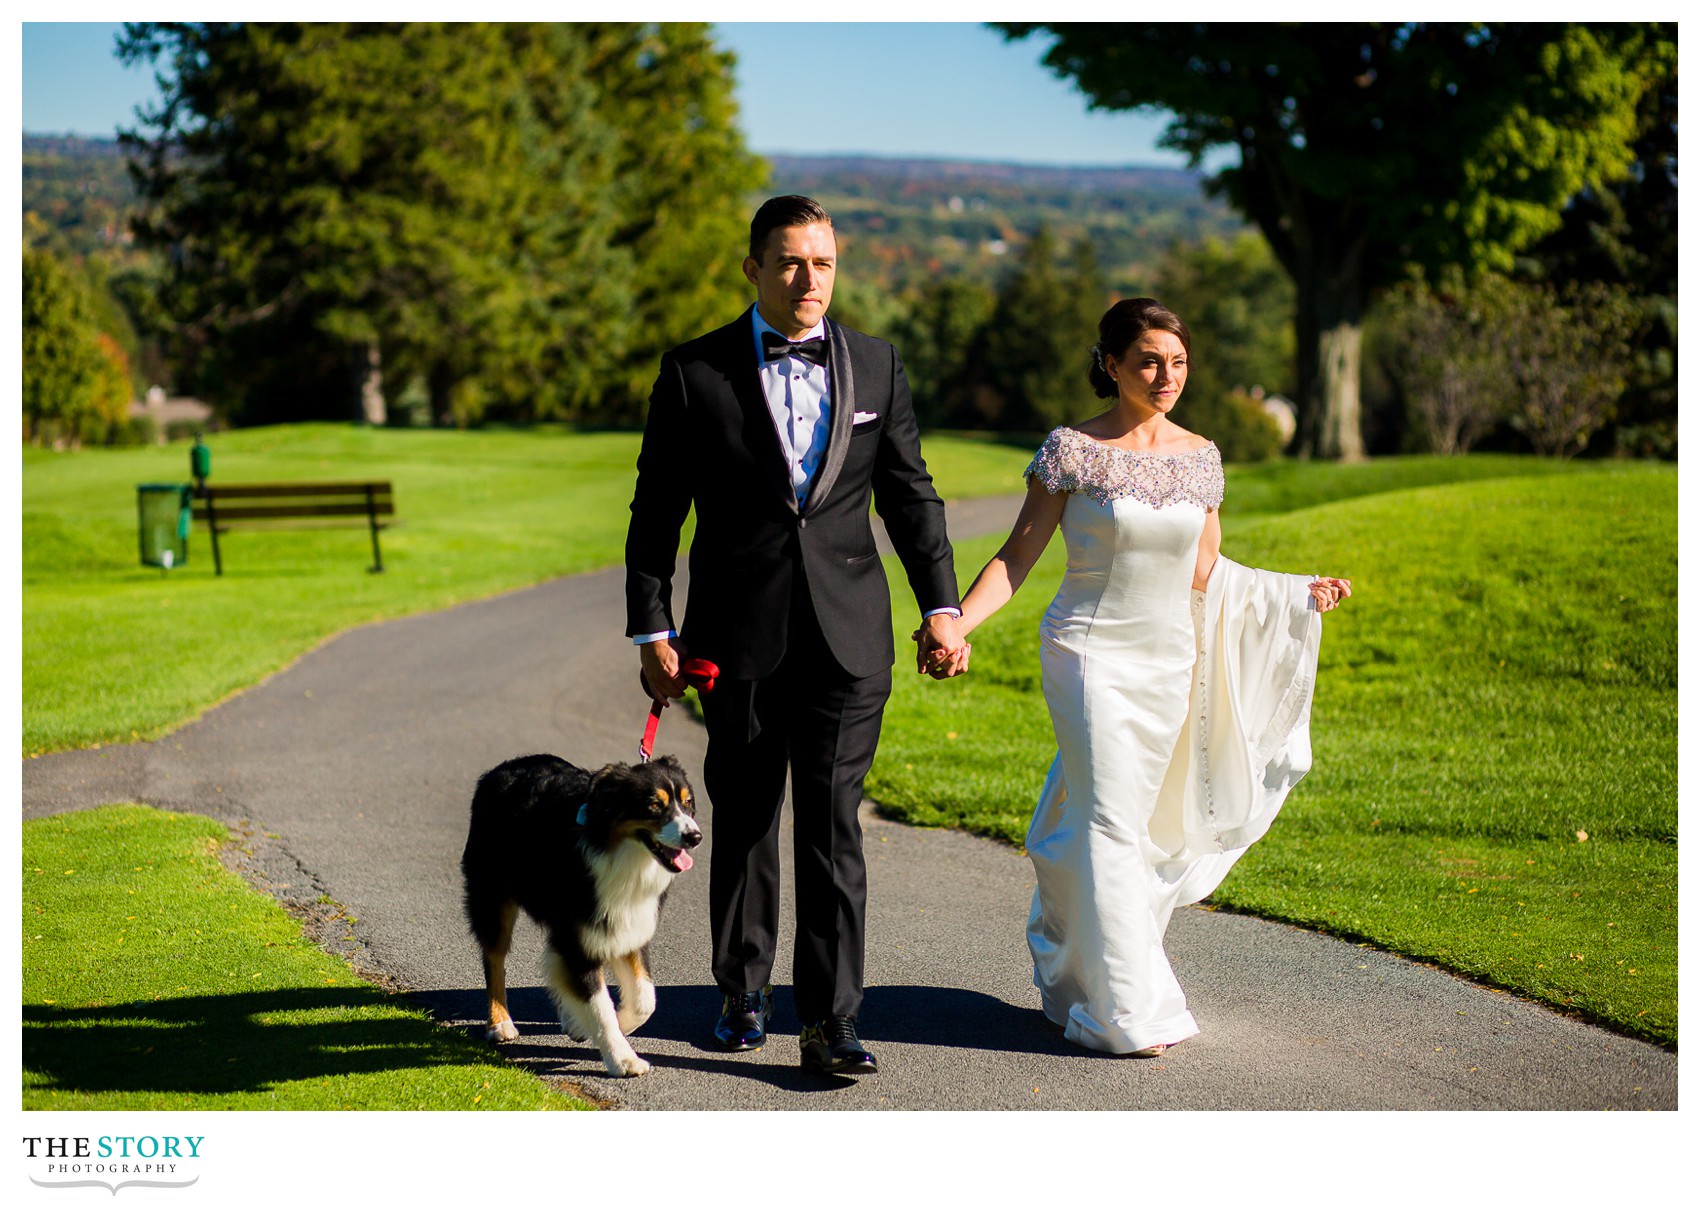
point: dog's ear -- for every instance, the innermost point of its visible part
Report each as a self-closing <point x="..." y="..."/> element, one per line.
<point x="607" y="782"/>
<point x="609" y="773"/>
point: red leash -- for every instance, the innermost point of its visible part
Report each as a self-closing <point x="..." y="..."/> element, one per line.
<point x="696" y="672"/>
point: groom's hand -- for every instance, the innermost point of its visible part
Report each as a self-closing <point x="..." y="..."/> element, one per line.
<point x="661" y="660"/>
<point x="940" y="650"/>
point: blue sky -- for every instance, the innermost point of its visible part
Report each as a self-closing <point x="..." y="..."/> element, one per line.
<point x="954" y="90"/>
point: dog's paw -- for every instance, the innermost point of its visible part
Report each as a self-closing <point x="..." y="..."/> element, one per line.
<point x="629" y="1065"/>
<point x="503" y="1032"/>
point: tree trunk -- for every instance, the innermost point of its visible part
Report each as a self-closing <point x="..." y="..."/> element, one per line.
<point x="372" y="408"/>
<point x="1330" y="347"/>
<point x="438" y="385"/>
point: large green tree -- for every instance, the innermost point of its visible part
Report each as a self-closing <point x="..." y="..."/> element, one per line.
<point x="479" y="207"/>
<point x="1027" y="365"/>
<point x="1366" y="148"/>
<point x="1625" y="235"/>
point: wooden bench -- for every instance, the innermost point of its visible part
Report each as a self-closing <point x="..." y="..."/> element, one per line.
<point x="225" y="506"/>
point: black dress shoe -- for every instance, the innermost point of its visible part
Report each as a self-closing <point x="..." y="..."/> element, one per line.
<point x="831" y="1046"/>
<point x="743" y="1020"/>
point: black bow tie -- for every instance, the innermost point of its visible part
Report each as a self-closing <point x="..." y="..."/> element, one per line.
<point x="774" y="347"/>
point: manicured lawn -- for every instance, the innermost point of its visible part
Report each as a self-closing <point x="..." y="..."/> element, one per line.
<point x="114" y="651"/>
<point x="155" y="979"/>
<point x="1495" y="727"/>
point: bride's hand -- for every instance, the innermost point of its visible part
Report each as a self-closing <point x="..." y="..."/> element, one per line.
<point x="937" y="661"/>
<point x="1329" y="592"/>
<point x="943" y="663"/>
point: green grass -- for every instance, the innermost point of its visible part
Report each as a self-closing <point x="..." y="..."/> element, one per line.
<point x="113" y="651"/>
<point x="1503" y="683"/>
<point x="155" y="979"/>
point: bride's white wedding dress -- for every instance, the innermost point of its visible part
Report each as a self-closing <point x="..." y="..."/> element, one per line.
<point x="1182" y="720"/>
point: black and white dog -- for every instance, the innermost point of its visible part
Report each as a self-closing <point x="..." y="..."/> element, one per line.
<point x="590" y="858"/>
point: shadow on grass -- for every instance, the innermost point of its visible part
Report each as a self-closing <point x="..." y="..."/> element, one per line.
<point x="223" y="1045"/>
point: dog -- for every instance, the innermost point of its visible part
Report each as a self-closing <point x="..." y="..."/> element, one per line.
<point x="590" y="858"/>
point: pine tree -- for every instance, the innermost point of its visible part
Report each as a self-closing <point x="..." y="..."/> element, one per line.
<point x="513" y="214"/>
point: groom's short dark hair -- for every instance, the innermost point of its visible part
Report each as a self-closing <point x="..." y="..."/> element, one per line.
<point x="787" y="210"/>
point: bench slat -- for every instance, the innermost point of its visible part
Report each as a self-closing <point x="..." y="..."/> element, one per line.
<point x="380" y="488"/>
<point x="327" y="509"/>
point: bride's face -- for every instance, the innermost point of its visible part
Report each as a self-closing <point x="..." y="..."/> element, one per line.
<point x="1152" y="372"/>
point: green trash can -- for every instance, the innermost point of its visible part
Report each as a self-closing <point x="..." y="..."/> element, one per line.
<point x="162" y="518"/>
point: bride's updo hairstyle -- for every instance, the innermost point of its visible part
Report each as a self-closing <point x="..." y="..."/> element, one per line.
<point x="1121" y="326"/>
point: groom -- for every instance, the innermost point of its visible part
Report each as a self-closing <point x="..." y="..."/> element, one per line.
<point x="779" y="428"/>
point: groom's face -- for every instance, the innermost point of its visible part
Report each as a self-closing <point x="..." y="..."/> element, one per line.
<point x="793" y="279"/>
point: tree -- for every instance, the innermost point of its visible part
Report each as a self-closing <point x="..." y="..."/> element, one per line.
<point x="481" y="207"/>
<point x="63" y="366"/>
<point x="1626" y="235"/>
<point x="1448" y="358"/>
<point x="936" y="329"/>
<point x="1028" y="366"/>
<point x="681" y="180"/>
<point x="1238" y="304"/>
<point x="1367" y="147"/>
<point x="112" y="391"/>
<point x="1570" y="354"/>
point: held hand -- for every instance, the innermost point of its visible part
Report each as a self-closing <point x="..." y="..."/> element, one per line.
<point x="661" y="660"/>
<point x="940" y="650"/>
<point x="1329" y="592"/>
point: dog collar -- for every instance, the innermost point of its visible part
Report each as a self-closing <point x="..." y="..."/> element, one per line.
<point x="584" y="814"/>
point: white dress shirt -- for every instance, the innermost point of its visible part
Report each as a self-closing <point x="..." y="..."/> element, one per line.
<point x="800" y="402"/>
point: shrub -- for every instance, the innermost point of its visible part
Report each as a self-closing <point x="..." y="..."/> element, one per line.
<point x="1237" y="422"/>
<point x="1446" y="359"/>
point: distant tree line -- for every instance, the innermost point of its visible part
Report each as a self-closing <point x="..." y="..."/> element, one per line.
<point x="415" y="223"/>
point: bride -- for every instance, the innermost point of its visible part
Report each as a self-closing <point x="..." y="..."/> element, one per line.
<point x="1178" y="684"/>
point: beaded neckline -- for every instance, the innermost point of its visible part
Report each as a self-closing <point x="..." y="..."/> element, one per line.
<point x="1081" y="463"/>
<point x="1143" y="454"/>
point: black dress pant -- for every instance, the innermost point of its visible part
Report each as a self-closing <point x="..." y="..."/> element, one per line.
<point x="813" y="720"/>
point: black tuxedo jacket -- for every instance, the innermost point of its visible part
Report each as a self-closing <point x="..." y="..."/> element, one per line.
<point x="710" y="441"/>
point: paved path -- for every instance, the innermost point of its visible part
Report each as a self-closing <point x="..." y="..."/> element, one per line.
<point x="359" y="760"/>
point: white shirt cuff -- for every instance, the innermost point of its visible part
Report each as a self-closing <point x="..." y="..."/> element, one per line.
<point x="653" y="636"/>
<point x="952" y="611"/>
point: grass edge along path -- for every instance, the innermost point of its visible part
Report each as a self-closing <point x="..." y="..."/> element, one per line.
<point x="1494" y="788"/>
<point x="114" y="652"/>
<point x="154" y="978"/>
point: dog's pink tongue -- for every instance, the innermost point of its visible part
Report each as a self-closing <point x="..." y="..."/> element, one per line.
<point x="685" y="862"/>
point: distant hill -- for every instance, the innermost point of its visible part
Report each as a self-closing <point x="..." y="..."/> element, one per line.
<point x="77" y="194"/>
<point x="903" y="219"/>
<point x="918" y="218"/>
<point x="1175" y="181"/>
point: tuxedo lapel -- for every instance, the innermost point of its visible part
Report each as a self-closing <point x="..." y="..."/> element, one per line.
<point x="842" y="389"/>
